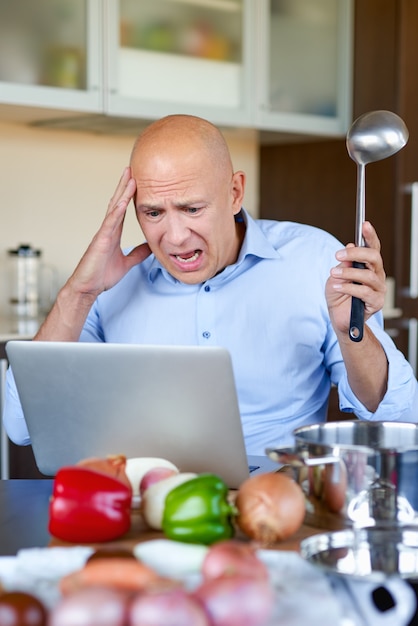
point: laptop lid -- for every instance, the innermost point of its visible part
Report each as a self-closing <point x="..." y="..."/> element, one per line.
<point x="92" y="399"/>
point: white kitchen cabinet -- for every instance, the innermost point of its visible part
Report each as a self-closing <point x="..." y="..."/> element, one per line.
<point x="51" y="54"/>
<point x="305" y="50"/>
<point x="274" y="65"/>
<point x="180" y="56"/>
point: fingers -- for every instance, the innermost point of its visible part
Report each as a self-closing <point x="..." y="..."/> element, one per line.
<point x="369" y="254"/>
<point x="113" y="222"/>
<point x="370" y="257"/>
<point x="368" y="284"/>
<point x="124" y="192"/>
<point x="370" y="236"/>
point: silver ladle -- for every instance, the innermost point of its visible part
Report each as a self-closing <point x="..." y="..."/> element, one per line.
<point x="372" y="137"/>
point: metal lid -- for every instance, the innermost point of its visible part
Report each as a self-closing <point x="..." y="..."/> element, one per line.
<point x="366" y="553"/>
<point x="26" y="250"/>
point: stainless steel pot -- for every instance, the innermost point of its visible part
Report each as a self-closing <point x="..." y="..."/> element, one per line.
<point x="373" y="571"/>
<point x="355" y="472"/>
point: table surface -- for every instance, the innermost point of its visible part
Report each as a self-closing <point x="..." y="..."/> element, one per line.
<point x="24" y="519"/>
<point x="24" y="522"/>
<point x="23" y="514"/>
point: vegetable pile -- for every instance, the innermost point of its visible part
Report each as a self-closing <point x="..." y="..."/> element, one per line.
<point x="118" y="588"/>
<point x="92" y="502"/>
<point x="233" y="589"/>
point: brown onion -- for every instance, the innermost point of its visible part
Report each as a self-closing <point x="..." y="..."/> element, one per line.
<point x="114" y="465"/>
<point x="271" y="507"/>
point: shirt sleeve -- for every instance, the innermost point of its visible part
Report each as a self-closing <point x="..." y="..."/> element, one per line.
<point x="13" y="418"/>
<point x="92" y="330"/>
<point x="400" y="403"/>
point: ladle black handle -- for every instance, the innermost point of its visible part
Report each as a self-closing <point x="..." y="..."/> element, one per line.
<point x="357" y="313"/>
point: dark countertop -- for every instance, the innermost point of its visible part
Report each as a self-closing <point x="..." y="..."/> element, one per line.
<point x="23" y="514"/>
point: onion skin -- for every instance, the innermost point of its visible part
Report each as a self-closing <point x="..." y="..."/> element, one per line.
<point x="93" y="606"/>
<point x="153" y="500"/>
<point x="236" y="600"/>
<point x="271" y="508"/>
<point x="154" y="476"/>
<point x="137" y="467"/>
<point x="114" y="465"/>
<point x="171" y="607"/>
<point x="18" y="608"/>
<point x="233" y="558"/>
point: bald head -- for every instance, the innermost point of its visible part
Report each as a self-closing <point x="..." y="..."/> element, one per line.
<point x="178" y="134"/>
<point x="187" y="197"/>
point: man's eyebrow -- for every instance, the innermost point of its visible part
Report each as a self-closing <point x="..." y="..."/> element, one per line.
<point x="180" y="204"/>
<point x="149" y="207"/>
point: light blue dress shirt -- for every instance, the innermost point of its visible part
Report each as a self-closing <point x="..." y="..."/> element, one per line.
<point x="269" y="310"/>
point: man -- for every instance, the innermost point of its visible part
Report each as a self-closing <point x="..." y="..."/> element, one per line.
<point x="211" y="275"/>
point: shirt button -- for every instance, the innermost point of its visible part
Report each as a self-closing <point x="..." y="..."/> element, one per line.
<point x="206" y="334"/>
<point x="207" y="288"/>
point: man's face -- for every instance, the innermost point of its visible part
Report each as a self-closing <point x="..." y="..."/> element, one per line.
<point x="185" y="206"/>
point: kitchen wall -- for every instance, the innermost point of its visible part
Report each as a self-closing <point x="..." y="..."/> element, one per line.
<point x="55" y="186"/>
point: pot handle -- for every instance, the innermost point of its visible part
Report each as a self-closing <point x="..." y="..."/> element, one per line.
<point x="403" y="607"/>
<point x="288" y="456"/>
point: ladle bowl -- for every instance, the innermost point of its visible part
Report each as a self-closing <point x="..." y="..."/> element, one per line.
<point x="375" y="136"/>
<point x="372" y="137"/>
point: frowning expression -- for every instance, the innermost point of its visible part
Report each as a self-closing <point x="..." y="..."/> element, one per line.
<point x="185" y="205"/>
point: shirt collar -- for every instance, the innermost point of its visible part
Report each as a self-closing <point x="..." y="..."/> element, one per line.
<point x="255" y="244"/>
<point x="255" y="241"/>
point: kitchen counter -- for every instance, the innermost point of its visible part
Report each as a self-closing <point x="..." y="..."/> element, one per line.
<point x="24" y="520"/>
<point x="23" y="514"/>
<point x="13" y="328"/>
<point x="24" y="524"/>
<point x="17" y="457"/>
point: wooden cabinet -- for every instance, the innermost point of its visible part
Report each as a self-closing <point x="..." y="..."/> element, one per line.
<point x="314" y="182"/>
<point x="275" y="65"/>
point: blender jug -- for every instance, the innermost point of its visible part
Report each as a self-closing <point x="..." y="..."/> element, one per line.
<point x="24" y="281"/>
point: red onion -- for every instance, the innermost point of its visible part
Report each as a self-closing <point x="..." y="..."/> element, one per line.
<point x="236" y="600"/>
<point x="233" y="557"/>
<point x="170" y="607"/>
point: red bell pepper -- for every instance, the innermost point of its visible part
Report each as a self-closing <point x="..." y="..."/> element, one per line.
<point x="88" y="506"/>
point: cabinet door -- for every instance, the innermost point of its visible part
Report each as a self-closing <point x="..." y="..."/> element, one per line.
<point x="179" y="56"/>
<point x="50" y="53"/>
<point x="305" y="65"/>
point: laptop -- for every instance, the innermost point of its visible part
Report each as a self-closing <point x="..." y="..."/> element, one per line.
<point x="94" y="399"/>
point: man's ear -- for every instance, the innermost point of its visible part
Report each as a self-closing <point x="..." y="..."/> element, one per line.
<point x="238" y="189"/>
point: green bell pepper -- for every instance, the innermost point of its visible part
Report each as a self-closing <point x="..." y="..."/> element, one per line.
<point x="198" y="511"/>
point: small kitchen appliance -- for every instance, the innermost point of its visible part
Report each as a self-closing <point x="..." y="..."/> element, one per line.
<point x="32" y="283"/>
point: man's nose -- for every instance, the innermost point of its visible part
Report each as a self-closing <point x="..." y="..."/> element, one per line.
<point x="176" y="231"/>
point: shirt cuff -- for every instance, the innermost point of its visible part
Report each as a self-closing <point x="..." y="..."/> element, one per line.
<point x="400" y="402"/>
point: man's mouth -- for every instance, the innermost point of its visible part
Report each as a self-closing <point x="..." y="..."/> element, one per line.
<point x="189" y="257"/>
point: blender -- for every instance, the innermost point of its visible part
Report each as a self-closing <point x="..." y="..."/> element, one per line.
<point x="24" y="281"/>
